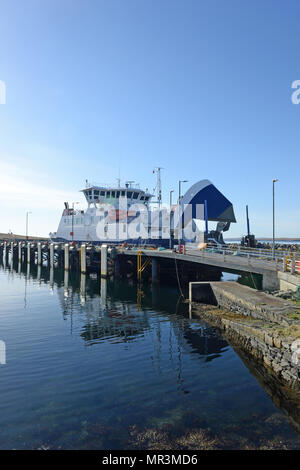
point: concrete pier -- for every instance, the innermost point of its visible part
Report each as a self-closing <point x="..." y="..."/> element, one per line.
<point x="104" y="261"/>
<point x="51" y="255"/>
<point x="83" y="259"/>
<point x="67" y="254"/>
<point x="39" y="254"/>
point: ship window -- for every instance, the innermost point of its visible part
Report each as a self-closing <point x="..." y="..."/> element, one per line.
<point x="142" y="198"/>
<point x="102" y="193"/>
<point x="96" y="193"/>
<point x="113" y="194"/>
<point x="108" y="194"/>
<point x="118" y="194"/>
<point x="135" y="195"/>
<point x="123" y="193"/>
<point x="90" y="192"/>
<point x="129" y="194"/>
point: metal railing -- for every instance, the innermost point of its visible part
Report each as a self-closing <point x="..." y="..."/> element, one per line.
<point x="283" y="260"/>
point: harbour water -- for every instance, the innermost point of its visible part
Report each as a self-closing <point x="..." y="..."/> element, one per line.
<point x="96" y="364"/>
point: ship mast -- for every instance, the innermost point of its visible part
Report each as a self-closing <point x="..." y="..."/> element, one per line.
<point x="158" y="185"/>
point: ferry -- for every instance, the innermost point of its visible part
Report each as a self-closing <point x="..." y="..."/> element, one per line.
<point x="128" y="215"/>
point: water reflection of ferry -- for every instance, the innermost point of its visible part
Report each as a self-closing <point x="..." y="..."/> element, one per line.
<point x="107" y="316"/>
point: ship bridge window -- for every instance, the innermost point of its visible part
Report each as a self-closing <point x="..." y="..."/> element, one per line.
<point x="135" y="195"/>
<point x="113" y="194"/>
<point x="96" y="193"/>
<point x="123" y="193"/>
<point x="108" y="194"/>
<point x="129" y="194"/>
<point x="118" y="194"/>
<point x="142" y="198"/>
<point x="102" y="193"/>
<point x="90" y="192"/>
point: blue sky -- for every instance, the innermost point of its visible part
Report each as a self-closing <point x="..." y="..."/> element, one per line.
<point x="201" y="88"/>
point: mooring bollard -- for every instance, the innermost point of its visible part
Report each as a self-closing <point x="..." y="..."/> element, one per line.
<point x="104" y="260"/>
<point x="28" y="252"/>
<point x="20" y="252"/>
<point x="51" y="255"/>
<point x="83" y="259"/>
<point x="39" y="254"/>
<point x="67" y="261"/>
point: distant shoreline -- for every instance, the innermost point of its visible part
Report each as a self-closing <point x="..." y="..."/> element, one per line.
<point x="14" y="236"/>
<point x="265" y="239"/>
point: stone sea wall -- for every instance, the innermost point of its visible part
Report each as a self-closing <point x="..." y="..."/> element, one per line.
<point x="257" y="323"/>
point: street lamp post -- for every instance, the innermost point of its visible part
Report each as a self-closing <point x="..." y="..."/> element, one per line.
<point x="171" y="192"/>
<point x="179" y="211"/>
<point x="273" y="246"/>
<point x="27" y="213"/>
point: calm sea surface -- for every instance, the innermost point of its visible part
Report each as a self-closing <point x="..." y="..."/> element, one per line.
<point x="100" y="365"/>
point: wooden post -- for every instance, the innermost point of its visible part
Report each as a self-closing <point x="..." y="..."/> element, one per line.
<point x="20" y="252"/>
<point x="12" y="251"/>
<point x="39" y="254"/>
<point x="28" y="252"/>
<point x="83" y="259"/>
<point x="51" y="255"/>
<point x="67" y="261"/>
<point x="104" y="260"/>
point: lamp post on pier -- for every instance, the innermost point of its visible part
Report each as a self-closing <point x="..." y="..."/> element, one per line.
<point x="179" y="211"/>
<point x="171" y="192"/>
<point x="273" y="246"/>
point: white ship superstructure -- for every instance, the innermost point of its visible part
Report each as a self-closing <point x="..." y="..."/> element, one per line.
<point x="119" y="214"/>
